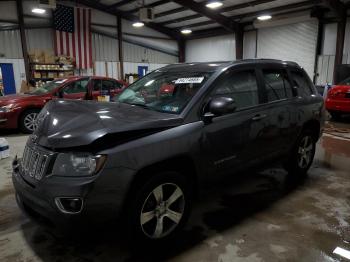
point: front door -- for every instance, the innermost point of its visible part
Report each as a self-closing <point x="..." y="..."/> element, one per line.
<point x="230" y="138"/>
<point x="76" y="90"/>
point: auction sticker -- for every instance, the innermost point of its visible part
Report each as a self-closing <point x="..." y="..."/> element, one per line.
<point x="190" y="80"/>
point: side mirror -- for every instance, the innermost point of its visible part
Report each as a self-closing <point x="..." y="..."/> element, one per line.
<point x="221" y="106"/>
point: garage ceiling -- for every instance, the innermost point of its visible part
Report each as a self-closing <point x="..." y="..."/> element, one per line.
<point x="172" y="16"/>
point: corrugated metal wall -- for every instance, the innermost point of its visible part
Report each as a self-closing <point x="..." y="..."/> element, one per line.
<point x="134" y="53"/>
<point x="219" y="48"/>
<point x="40" y="39"/>
<point x="293" y="42"/>
<point x="104" y="48"/>
<point x="10" y="44"/>
<point x="346" y="58"/>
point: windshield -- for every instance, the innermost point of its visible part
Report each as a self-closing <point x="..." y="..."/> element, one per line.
<point x="48" y="87"/>
<point x="345" y="82"/>
<point x="167" y="92"/>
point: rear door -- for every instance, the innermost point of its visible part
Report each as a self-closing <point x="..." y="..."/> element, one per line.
<point x="76" y="90"/>
<point x="116" y="88"/>
<point x="279" y="99"/>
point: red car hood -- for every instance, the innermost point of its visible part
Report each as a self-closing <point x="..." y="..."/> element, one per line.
<point x="13" y="99"/>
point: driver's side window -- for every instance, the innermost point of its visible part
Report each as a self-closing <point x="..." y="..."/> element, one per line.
<point x="241" y="86"/>
<point x="76" y="87"/>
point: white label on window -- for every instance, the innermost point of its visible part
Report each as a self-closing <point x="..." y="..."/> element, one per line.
<point x="189" y="80"/>
<point x="61" y="81"/>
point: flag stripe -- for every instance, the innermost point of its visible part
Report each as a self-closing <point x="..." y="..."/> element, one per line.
<point x="73" y="34"/>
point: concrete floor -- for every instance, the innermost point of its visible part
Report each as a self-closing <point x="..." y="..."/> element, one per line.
<point x="256" y="217"/>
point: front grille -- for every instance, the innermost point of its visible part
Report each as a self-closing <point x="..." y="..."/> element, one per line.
<point x="35" y="162"/>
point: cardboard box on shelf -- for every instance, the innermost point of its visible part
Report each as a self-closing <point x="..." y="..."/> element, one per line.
<point x="37" y="75"/>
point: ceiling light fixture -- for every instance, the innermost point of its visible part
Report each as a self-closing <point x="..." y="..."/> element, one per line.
<point x="214" y="4"/>
<point x="186" y="31"/>
<point x="39" y="11"/>
<point x="264" y="17"/>
<point x="138" y="24"/>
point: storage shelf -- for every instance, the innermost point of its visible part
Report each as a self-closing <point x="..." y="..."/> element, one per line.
<point x="54" y="70"/>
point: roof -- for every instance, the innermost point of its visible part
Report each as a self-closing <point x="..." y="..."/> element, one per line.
<point x="214" y="66"/>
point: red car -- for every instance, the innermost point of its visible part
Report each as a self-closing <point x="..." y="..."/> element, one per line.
<point x="338" y="99"/>
<point x="20" y="111"/>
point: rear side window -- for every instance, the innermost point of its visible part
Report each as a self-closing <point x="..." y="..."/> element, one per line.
<point x="107" y="85"/>
<point x="76" y="87"/>
<point x="277" y="85"/>
<point x="302" y="83"/>
<point x="241" y="86"/>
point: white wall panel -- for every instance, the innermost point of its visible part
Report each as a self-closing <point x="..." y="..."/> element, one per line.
<point x="10" y="44"/>
<point x="219" y="48"/>
<point x="131" y="68"/>
<point x="346" y="59"/>
<point x="294" y="42"/>
<point x="40" y="39"/>
<point x="135" y="53"/>
<point x="329" y="39"/>
<point x="104" y="48"/>
<point x="18" y="70"/>
<point x="249" y="44"/>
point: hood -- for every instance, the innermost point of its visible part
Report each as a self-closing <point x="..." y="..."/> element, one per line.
<point x="14" y="99"/>
<point x="73" y="123"/>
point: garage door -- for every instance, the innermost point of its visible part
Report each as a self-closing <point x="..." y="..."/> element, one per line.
<point x="295" y="42"/>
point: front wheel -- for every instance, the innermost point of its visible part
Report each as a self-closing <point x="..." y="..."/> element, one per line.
<point x="161" y="207"/>
<point x="27" y="121"/>
<point x="335" y="115"/>
<point x="302" y="155"/>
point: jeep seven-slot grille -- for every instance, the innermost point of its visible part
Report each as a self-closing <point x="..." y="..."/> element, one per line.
<point x="35" y="162"/>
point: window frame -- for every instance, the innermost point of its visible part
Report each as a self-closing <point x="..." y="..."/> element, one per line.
<point x="310" y="85"/>
<point x="271" y="67"/>
<point x="73" y="83"/>
<point x="242" y="68"/>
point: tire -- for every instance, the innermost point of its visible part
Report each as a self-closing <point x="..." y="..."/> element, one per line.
<point x="161" y="220"/>
<point x="335" y="115"/>
<point x="302" y="155"/>
<point x="27" y="121"/>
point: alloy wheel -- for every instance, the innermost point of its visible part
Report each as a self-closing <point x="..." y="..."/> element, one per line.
<point x="162" y="210"/>
<point x="30" y="121"/>
<point x="305" y="151"/>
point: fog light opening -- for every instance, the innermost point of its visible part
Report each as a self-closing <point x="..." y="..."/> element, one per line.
<point x="69" y="205"/>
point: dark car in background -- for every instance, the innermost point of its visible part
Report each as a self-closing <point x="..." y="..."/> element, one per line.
<point x="145" y="157"/>
<point x="338" y="99"/>
<point x="21" y="110"/>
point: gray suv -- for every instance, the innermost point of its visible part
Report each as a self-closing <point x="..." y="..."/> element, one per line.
<point x="146" y="155"/>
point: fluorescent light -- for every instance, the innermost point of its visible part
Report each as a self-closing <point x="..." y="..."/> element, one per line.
<point x="264" y="17"/>
<point x="138" y="24"/>
<point x="39" y="11"/>
<point x="342" y="252"/>
<point x="214" y="4"/>
<point x="186" y="31"/>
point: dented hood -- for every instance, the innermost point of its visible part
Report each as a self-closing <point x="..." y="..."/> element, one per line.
<point x="73" y="123"/>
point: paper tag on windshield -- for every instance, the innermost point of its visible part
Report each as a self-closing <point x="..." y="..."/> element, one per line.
<point x="61" y="81"/>
<point x="189" y="80"/>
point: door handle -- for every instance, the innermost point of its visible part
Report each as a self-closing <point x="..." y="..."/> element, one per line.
<point x="259" y="117"/>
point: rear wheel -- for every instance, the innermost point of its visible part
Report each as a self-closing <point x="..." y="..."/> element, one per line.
<point x="160" y="208"/>
<point x="27" y="121"/>
<point x="302" y="155"/>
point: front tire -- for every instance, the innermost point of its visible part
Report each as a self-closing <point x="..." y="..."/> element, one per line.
<point x="160" y="207"/>
<point x="27" y="121"/>
<point x="302" y="155"/>
<point x="335" y="115"/>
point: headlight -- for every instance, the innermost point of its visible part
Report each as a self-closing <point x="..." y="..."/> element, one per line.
<point x="7" y="108"/>
<point x="78" y="164"/>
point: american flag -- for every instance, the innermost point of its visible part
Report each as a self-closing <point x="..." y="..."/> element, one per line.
<point x="73" y="34"/>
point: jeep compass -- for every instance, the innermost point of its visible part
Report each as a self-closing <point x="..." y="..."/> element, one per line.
<point x="146" y="156"/>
